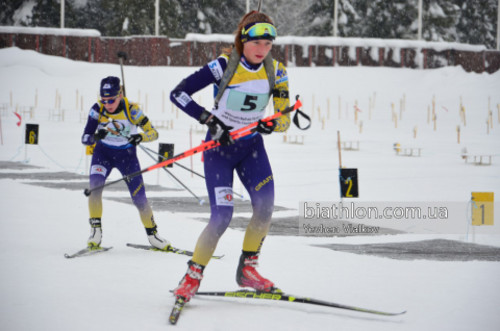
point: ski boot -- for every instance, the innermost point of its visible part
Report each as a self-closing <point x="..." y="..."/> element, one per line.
<point x="155" y="240"/>
<point x="189" y="285"/>
<point x="95" y="238"/>
<point x="248" y="276"/>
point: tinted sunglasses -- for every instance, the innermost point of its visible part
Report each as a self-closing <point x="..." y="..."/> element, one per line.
<point x="258" y="31"/>
<point x="109" y="101"/>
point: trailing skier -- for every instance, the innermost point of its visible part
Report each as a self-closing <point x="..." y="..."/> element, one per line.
<point x="245" y="78"/>
<point x="112" y="126"/>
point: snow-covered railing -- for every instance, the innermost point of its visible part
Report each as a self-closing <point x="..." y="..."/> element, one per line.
<point x="49" y="31"/>
<point x="198" y="49"/>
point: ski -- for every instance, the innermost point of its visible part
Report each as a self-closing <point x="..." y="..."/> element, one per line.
<point x="170" y="249"/>
<point x="176" y="311"/>
<point x="278" y="296"/>
<point x="87" y="251"/>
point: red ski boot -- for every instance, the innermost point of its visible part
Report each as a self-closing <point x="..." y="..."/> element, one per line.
<point x="189" y="285"/>
<point x="247" y="275"/>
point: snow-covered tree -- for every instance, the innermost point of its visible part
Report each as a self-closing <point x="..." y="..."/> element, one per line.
<point x="477" y="22"/>
<point x="439" y="20"/>
<point x="8" y="10"/>
<point x="386" y="19"/>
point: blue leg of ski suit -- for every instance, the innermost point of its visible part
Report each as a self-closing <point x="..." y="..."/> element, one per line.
<point x="104" y="160"/>
<point x="249" y="158"/>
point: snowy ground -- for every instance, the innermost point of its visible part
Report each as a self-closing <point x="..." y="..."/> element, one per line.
<point x="127" y="289"/>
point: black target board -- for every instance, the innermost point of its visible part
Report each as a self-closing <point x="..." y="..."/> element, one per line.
<point x="31" y="134"/>
<point x="166" y="152"/>
<point x="348" y="183"/>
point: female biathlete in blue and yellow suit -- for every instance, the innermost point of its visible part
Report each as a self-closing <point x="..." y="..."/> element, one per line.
<point x="116" y="122"/>
<point x="243" y="102"/>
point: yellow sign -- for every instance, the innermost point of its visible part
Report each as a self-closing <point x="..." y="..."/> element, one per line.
<point x="482" y="208"/>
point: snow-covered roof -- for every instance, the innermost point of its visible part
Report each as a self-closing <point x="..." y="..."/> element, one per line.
<point x="50" y="31"/>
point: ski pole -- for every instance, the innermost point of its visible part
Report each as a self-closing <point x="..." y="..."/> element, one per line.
<point x="145" y="149"/>
<point x="186" y="168"/>
<point x="244" y="131"/>
<point x="176" y="163"/>
<point x="122" y="56"/>
<point x="201" y="201"/>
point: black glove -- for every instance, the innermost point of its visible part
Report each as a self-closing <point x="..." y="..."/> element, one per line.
<point x="101" y="134"/>
<point x="218" y="130"/>
<point x="266" y="127"/>
<point x="135" y="139"/>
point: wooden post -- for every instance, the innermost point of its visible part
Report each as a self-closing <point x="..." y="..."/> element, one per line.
<point x="400" y="108"/>
<point x="415" y="128"/>
<point x="458" y="134"/>
<point x="340" y="150"/>
<point x="355" y="111"/>
<point x="394" y="115"/>
<point x="433" y="104"/>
